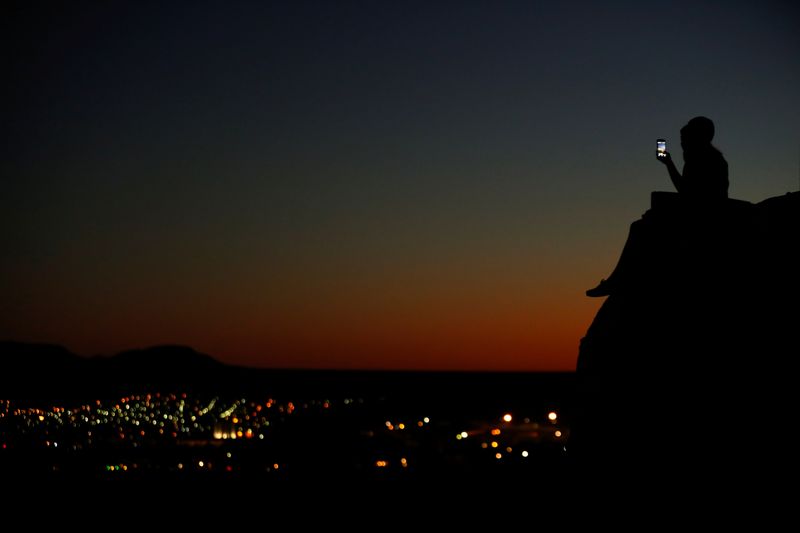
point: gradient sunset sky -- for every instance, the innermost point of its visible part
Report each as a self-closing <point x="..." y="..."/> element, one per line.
<point x="388" y="185"/>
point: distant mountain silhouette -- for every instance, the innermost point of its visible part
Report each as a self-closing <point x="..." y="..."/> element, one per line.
<point x="47" y="374"/>
<point x="162" y="364"/>
<point x="46" y="371"/>
<point x="27" y="358"/>
<point x="689" y="356"/>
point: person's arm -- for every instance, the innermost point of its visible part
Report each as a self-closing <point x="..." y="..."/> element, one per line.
<point x="674" y="175"/>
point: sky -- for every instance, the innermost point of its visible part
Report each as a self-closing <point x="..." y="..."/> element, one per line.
<point x="361" y="185"/>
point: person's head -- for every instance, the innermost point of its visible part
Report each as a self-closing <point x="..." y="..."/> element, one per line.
<point x="698" y="132"/>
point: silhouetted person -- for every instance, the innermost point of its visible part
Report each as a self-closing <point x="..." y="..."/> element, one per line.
<point x="704" y="181"/>
<point x="705" y="172"/>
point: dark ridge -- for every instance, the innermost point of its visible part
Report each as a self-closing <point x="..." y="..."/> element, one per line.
<point x="166" y="355"/>
<point x="27" y="357"/>
<point x="38" y="373"/>
<point x="45" y="372"/>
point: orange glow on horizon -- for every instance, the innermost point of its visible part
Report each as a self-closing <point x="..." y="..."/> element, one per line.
<point x="496" y="326"/>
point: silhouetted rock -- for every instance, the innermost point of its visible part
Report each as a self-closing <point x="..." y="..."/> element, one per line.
<point x="687" y="360"/>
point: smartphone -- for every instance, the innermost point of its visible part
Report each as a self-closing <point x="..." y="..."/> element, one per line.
<point x="661" y="147"/>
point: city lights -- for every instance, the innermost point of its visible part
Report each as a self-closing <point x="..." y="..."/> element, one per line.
<point x="219" y="427"/>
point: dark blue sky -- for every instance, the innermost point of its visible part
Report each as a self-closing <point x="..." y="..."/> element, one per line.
<point x="361" y="184"/>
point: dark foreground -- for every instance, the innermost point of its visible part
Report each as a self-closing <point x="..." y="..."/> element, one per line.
<point x="284" y="426"/>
